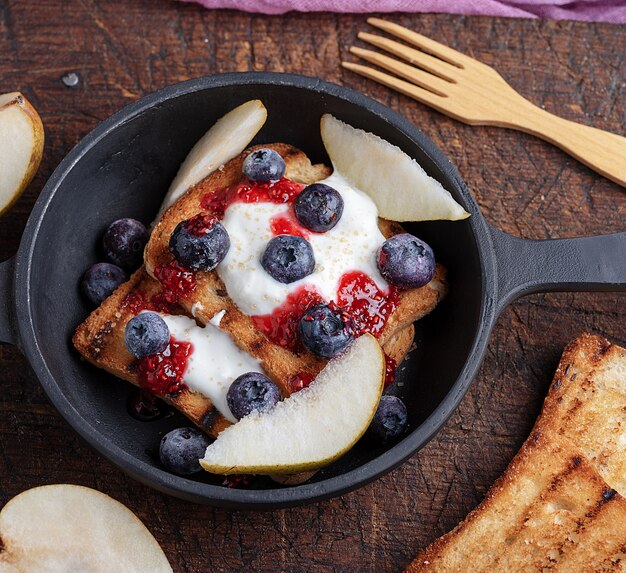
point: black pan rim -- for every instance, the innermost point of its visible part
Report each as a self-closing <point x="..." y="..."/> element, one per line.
<point x="241" y="498"/>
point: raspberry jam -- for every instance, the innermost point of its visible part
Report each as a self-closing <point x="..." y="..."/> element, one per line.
<point x="163" y="373"/>
<point x="365" y="306"/>
<point x="287" y="224"/>
<point x="299" y="381"/>
<point x="282" y="191"/>
<point x="175" y="279"/>
<point x="135" y="302"/>
<point x="200" y="224"/>
<point x="390" y="371"/>
<point x="163" y="301"/>
<point x="368" y="306"/>
<point x="281" y="326"/>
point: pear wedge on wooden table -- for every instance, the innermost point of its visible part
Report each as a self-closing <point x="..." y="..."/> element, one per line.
<point x="63" y="528"/>
<point x="21" y="146"/>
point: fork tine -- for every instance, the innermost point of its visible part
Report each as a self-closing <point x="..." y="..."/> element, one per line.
<point x="433" y="65"/>
<point x="417" y="93"/>
<point x="414" y="75"/>
<point x="440" y="50"/>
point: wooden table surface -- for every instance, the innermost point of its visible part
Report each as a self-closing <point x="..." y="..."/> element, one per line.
<point x="123" y="50"/>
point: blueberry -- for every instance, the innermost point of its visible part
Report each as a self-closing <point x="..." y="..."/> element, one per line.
<point x="288" y="258"/>
<point x="124" y="242"/>
<point x="146" y="334"/>
<point x="199" y="243"/>
<point x="101" y="280"/>
<point x="318" y="207"/>
<point x="389" y="421"/>
<point x="251" y="391"/>
<point x="264" y="165"/>
<point x="181" y="449"/>
<point x="406" y="262"/>
<point x="323" y="331"/>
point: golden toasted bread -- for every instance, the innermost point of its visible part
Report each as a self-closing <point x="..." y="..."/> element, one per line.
<point x="587" y="404"/>
<point x="279" y="363"/>
<point x="100" y="340"/>
<point x="559" y="506"/>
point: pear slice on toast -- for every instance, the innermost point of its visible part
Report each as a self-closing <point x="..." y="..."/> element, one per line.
<point x="227" y="138"/>
<point x="312" y="427"/>
<point x="399" y="186"/>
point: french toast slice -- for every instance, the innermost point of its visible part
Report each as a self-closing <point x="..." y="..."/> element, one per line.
<point x="210" y="296"/>
<point x="560" y="504"/>
<point x="100" y="340"/>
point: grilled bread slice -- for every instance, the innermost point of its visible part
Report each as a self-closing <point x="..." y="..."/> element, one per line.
<point x="279" y="363"/>
<point x="560" y="504"/>
<point x="100" y="340"/>
<point x="587" y="405"/>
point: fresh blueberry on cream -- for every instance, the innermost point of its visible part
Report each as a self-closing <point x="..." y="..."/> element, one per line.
<point x="318" y="207"/>
<point x="288" y="258"/>
<point x="251" y="391"/>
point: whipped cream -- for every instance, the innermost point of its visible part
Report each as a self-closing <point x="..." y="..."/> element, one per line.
<point x="349" y="246"/>
<point x="215" y="361"/>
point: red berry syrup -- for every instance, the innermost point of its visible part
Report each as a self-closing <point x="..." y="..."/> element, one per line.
<point x="201" y="224"/>
<point x="163" y="373"/>
<point x="281" y="326"/>
<point x="287" y="224"/>
<point x="279" y="192"/>
<point x="368" y="306"/>
<point x="175" y="279"/>
<point x="163" y="301"/>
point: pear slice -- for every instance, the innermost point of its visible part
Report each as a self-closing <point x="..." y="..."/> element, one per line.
<point x="21" y="146"/>
<point x="397" y="184"/>
<point x="228" y="137"/>
<point x="61" y="528"/>
<point x="312" y="427"/>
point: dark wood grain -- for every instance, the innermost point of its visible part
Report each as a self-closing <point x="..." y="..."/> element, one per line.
<point x="125" y="49"/>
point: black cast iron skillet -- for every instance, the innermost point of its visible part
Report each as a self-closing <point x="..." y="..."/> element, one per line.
<point x="123" y="168"/>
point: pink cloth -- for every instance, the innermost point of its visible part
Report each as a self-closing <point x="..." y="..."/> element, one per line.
<point x="613" y="11"/>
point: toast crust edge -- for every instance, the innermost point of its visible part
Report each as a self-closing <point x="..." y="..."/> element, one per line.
<point x="583" y="354"/>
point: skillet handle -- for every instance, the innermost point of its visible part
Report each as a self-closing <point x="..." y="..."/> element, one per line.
<point x="7" y="319"/>
<point x="580" y="264"/>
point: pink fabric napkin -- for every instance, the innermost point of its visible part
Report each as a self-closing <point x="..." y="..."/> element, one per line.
<point x="613" y="11"/>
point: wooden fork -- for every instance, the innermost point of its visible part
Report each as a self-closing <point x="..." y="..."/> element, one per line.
<point x="474" y="93"/>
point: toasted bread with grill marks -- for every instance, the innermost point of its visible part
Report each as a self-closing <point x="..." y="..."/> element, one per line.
<point x="560" y="504"/>
<point x="587" y="404"/>
<point x="100" y="340"/>
<point x="279" y="363"/>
